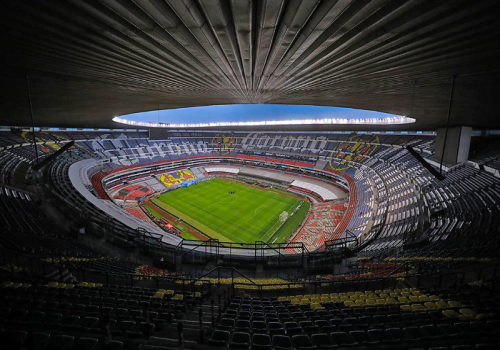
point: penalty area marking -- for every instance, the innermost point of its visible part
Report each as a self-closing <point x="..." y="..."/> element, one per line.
<point x="293" y="206"/>
<point x="219" y="199"/>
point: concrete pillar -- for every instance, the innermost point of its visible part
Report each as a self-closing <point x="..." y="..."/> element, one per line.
<point x="457" y="145"/>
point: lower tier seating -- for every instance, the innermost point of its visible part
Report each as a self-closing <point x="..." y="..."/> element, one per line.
<point x="396" y="319"/>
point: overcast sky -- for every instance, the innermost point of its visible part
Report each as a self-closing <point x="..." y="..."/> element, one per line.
<point x="250" y="112"/>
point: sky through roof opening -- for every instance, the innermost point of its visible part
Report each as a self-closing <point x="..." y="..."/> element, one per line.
<point x="257" y="114"/>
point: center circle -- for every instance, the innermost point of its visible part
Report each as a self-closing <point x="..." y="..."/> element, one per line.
<point x="226" y="198"/>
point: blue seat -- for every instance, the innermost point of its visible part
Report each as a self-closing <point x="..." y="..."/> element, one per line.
<point x="322" y="341"/>
<point x="219" y="338"/>
<point x="282" y="342"/>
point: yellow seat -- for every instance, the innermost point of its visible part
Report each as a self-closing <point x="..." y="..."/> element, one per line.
<point x="403" y="300"/>
<point x="6" y="284"/>
<point x="178" y="297"/>
<point x="295" y="301"/>
<point x="406" y="307"/>
<point x="430" y="305"/>
<point x="27" y="285"/>
<point x="391" y="301"/>
<point x="482" y="317"/>
<point x="349" y="303"/>
<point x="281" y="298"/>
<point x="197" y="295"/>
<point x="316" y="306"/>
<point x="52" y="284"/>
<point x="442" y="304"/>
<point x="468" y="312"/>
<point x="69" y="286"/>
<point x="451" y="313"/>
<point x="380" y="301"/>
<point x="418" y="307"/>
<point x="414" y="298"/>
<point x="325" y="299"/>
<point x="304" y="301"/>
<point x="453" y="303"/>
<point x="467" y="315"/>
<point x="158" y="295"/>
<point x="370" y="302"/>
<point x="98" y="285"/>
<point x="360" y="302"/>
<point x="91" y="285"/>
<point x="434" y="298"/>
<point x="169" y="292"/>
<point x="423" y="298"/>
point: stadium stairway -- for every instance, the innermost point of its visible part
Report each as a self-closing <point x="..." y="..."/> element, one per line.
<point x="320" y="164"/>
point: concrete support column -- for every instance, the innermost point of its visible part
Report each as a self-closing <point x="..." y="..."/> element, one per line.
<point x="457" y="145"/>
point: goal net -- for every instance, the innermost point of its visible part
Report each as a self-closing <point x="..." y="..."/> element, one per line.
<point x="284" y="216"/>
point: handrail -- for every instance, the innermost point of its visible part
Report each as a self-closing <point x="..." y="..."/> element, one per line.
<point x="203" y="244"/>
<point x="320" y="282"/>
<point x="262" y="243"/>
<point x="218" y="268"/>
<point x="405" y="265"/>
<point x="66" y="258"/>
<point x="341" y="240"/>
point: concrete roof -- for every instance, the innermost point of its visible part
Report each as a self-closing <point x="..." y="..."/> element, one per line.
<point x="87" y="61"/>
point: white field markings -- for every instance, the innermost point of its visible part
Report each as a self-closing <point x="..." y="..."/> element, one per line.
<point x="256" y="210"/>
<point x="229" y="234"/>
<point x="294" y="205"/>
<point x="274" y="219"/>
<point x="276" y="225"/>
<point x="219" y="229"/>
<point x="211" y="223"/>
<point x="217" y="201"/>
<point x="255" y="213"/>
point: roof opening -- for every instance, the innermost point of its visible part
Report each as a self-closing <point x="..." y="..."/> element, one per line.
<point x="258" y="115"/>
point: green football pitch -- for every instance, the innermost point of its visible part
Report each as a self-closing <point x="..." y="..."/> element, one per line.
<point x="246" y="215"/>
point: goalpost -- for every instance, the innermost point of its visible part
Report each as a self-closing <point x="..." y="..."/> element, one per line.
<point x="284" y="216"/>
